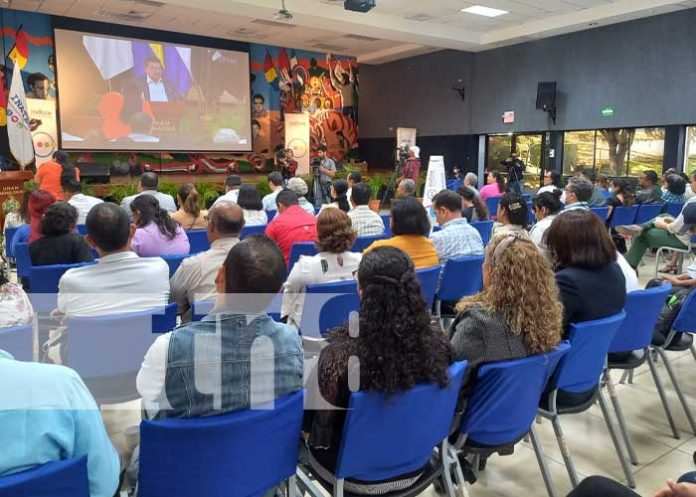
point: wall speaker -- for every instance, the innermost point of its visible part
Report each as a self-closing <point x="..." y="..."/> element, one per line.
<point x="546" y="95"/>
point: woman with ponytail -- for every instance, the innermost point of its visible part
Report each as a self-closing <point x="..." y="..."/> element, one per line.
<point x="189" y="215"/>
<point x="397" y="347"/>
<point x="50" y="174"/>
<point x="157" y="233"/>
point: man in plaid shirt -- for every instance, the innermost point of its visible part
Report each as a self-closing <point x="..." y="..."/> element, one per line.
<point x="365" y="221"/>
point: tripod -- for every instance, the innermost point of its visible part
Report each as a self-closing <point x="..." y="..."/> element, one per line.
<point x="392" y="182"/>
<point x="317" y="188"/>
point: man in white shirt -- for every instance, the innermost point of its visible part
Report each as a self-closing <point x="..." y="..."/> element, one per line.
<point x="353" y="179"/>
<point x="232" y="185"/>
<point x="365" y="221"/>
<point x="157" y="89"/>
<point x="195" y="279"/>
<point x="275" y="181"/>
<point x="148" y="184"/>
<point x="72" y="191"/>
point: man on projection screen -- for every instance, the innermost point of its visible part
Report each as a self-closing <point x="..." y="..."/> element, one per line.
<point x="153" y="87"/>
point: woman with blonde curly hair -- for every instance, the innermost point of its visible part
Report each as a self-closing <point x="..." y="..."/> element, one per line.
<point x="504" y="321"/>
<point x="334" y="262"/>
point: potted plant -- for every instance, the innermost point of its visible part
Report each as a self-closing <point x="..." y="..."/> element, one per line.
<point x="377" y="182"/>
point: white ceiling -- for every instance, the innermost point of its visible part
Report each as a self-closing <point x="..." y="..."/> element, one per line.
<point x="394" y="29"/>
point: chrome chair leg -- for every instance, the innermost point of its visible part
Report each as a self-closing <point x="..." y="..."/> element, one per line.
<point x="620" y="418"/>
<point x="615" y="439"/>
<point x="663" y="397"/>
<point x="677" y="388"/>
<point x="570" y="467"/>
<point x="693" y="351"/>
<point x="543" y="465"/>
<point x="308" y="484"/>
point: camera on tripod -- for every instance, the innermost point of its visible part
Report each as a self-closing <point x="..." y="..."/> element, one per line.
<point x="316" y="164"/>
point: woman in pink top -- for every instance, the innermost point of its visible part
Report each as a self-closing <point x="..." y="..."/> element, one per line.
<point x="495" y="185"/>
<point x="157" y="233"/>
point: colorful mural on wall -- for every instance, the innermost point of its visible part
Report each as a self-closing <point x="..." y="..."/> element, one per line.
<point x="282" y="81"/>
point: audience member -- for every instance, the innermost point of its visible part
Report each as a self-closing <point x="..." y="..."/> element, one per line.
<point x="406" y="188"/>
<point x="512" y="216"/>
<point x="590" y="281"/>
<point x="39" y="201"/>
<point x="14" y="218"/>
<point x="397" y="347"/>
<point x="578" y="192"/>
<point x="675" y="190"/>
<point x="597" y="199"/>
<point x="250" y="201"/>
<point x="334" y="262"/>
<point x="157" y="233"/>
<point x="60" y="244"/>
<point x="232" y="185"/>
<point x="195" y="278"/>
<point x="148" y="185"/>
<point x="456" y="238"/>
<point x="292" y="225"/>
<point x="353" y="179"/>
<point x="299" y="187"/>
<point x="552" y="182"/>
<point x="600" y="486"/>
<point x="622" y="196"/>
<point x="72" y="192"/>
<point x="410" y="225"/>
<point x="501" y="324"/>
<point x="48" y="414"/>
<point x="275" y="182"/>
<point x="649" y="192"/>
<point x="473" y="208"/>
<point x="411" y="166"/>
<point x="365" y="221"/>
<point x="189" y="216"/>
<point x="339" y="190"/>
<point x="471" y="182"/>
<point x="495" y="186"/>
<point x="601" y="183"/>
<point x="51" y="174"/>
<point x="546" y="206"/>
<point x="15" y="306"/>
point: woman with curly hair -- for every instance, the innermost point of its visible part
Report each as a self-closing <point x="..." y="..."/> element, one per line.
<point x="334" y="262"/>
<point x="398" y="347"/>
<point x="157" y="233"/>
<point x="506" y="322"/>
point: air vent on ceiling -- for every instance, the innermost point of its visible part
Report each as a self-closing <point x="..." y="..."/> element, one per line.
<point x="129" y="16"/>
<point x="146" y="3"/>
<point x="272" y="24"/>
<point x="419" y="17"/>
<point x="360" y="38"/>
<point x="330" y="48"/>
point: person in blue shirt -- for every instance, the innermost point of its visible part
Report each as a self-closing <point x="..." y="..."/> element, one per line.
<point x="47" y="414"/>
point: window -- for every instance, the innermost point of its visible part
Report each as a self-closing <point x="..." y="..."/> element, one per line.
<point x="690" y="153"/>
<point x="528" y="148"/>
<point x="647" y="151"/>
<point x="499" y="147"/>
<point x="578" y="151"/>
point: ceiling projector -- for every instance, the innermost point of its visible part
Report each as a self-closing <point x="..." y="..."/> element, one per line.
<point x="359" y="5"/>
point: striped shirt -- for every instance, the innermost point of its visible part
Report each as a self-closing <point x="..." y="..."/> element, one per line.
<point x="457" y="238"/>
<point x="365" y="221"/>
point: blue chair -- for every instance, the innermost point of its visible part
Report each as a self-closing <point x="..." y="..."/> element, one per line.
<point x="531" y="217"/>
<point x="503" y="406"/>
<point x="648" y="212"/>
<point x="460" y="277"/>
<point x="388" y="436"/>
<point x="107" y="351"/>
<point x="454" y="184"/>
<point x="601" y="212"/>
<point x="43" y="283"/>
<point x="271" y="215"/>
<point x="386" y="219"/>
<point x="527" y="198"/>
<point x="682" y="253"/>
<point x="328" y="305"/>
<point x="174" y="261"/>
<point x="18" y="341"/>
<point x="578" y="376"/>
<point x="81" y="229"/>
<point x="252" y="230"/>
<point x="66" y="478"/>
<point x="492" y="205"/>
<point x="202" y="308"/>
<point x="23" y="260"/>
<point x="362" y="242"/>
<point x="198" y="240"/>
<point x="623" y="216"/>
<point x="485" y="228"/>
<point x="429" y="278"/>
<point x="298" y="249"/>
<point x="244" y="453"/>
<point x="673" y="209"/>
<point x="9" y="235"/>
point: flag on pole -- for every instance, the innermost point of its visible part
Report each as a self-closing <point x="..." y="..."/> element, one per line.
<point x="18" y="129"/>
<point x="20" y="52"/>
<point x="270" y="72"/>
<point x="284" y="65"/>
<point x="293" y="59"/>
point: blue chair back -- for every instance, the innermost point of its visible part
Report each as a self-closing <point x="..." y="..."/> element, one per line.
<point x="429" y="278"/>
<point x="362" y="242"/>
<point x="81" y="229"/>
<point x="198" y="239"/>
<point x="505" y="400"/>
<point x="252" y="230"/>
<point x="686" y="319"/>
<point x="492" y="204"/>
<point x="9" y="235"/>
<point x="623" y="216"/>
<point x="386" y="219"/>
<point x="527" y="198"/>
<point x="328" y="311"/>
<point x="271" y="215"/>
<point x="453" y="184"/>
<point x="18" y="341"/>
<point x="673" y="209"/>
<point x="23" y="260"/>
<point x="241" y="454"/>
<point x="43" y="283"/>
<point x="531" y="217"/>
<point x="485" y="228"/>
<point x="648" y="212"/>
<point x="174" y="261"/>
<point x="580" y="369"/>
<point x="202" y="308"/>
<point x="642" y="310"/>
<point x="298" y="249"/>
<point x="601" y="212"/>
<point x="66" y="478"/>
<point x="384" y="437"/>
<point x="461" y="277"/>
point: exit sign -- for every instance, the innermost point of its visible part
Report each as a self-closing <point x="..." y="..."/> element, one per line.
<point x="608" y="111"/>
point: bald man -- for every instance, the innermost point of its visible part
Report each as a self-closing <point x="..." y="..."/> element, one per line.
<point x="195" y="279"/>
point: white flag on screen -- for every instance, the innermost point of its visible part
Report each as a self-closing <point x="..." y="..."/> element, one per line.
<point x="18" y="128"/>
<point x="112" y="57"/>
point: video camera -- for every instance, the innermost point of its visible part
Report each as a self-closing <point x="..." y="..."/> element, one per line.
<point x="316" y="163"/>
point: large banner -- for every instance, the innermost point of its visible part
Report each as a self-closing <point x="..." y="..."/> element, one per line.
<point x="435" y="181"/>
<point x="297" y="139"/>
<point x="45" y="135"/>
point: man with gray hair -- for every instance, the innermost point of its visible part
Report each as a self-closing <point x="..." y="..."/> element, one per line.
<point x="578" y="193"/>
<point x="299" y="187"/>
<point x="195" y="278"/>
<point x="148" y="185"/>
<point x="407" y="188"/>
<point x="471" y="181"/>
